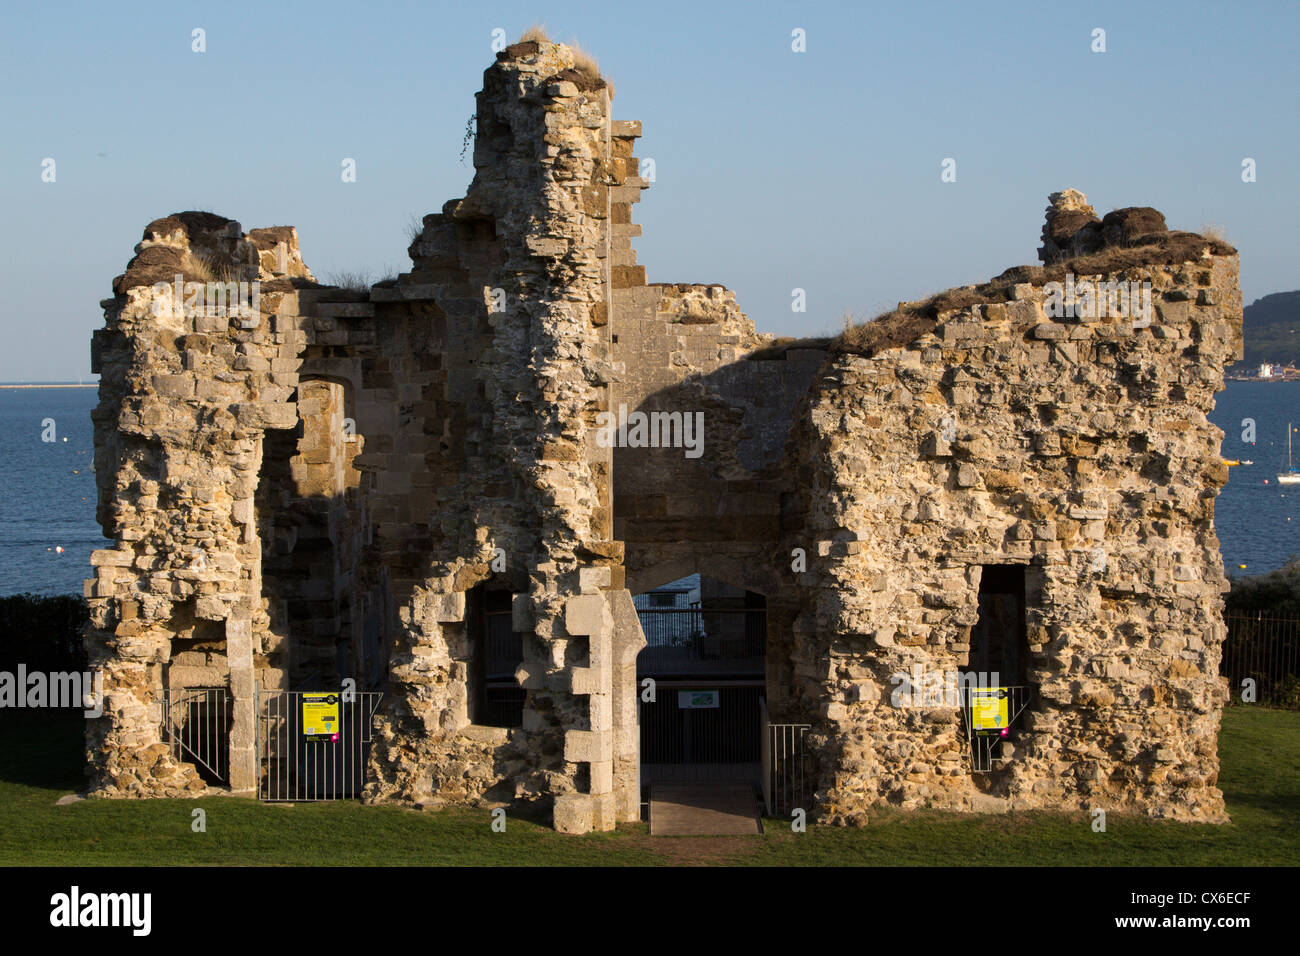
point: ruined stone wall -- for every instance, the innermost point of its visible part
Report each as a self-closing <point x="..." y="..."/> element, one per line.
<point x="425" y="437"/>
<point x="1078" y="448"/>
<point x="522" y="261"/>
<point x="185" y="397"/>
<point x="681" y="351"/>
<point x="331" y="486"/>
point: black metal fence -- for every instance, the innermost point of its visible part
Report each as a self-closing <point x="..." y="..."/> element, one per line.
<point x="295" y="765"/>
<point x="503" y="698"/>
<point x="504" y="647"/>
<point x="1266" y="651"/>
<point x="674" y="730"/>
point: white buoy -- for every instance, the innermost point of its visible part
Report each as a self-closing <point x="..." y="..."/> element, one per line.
<point x="59" y="549"/>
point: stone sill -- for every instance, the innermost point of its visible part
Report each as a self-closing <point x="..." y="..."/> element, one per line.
<point x="483" y="734"/>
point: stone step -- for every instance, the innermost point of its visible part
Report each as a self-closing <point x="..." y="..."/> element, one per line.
<point x="722" y="808"/>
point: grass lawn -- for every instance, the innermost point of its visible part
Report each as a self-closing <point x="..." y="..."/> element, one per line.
<point x="41" y="762"/>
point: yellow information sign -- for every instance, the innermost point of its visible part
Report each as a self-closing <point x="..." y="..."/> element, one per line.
<point x="989" y="707"/>
<point x="320" y="716"/>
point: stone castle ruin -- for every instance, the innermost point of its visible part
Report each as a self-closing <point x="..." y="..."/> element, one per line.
<point x="334" y="488"/>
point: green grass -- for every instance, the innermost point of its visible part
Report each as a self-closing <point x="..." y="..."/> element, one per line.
<point x="40" y="762"/>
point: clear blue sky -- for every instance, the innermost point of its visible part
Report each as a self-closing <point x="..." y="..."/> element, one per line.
<point x="775" y="169"/>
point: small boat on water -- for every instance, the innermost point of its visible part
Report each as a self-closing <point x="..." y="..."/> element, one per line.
<point x="1290" y="476"/>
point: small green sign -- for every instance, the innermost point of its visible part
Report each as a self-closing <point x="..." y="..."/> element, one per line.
<point x="697" y="699"/>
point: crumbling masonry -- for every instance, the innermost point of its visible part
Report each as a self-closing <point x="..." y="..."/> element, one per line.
<point x="330" y="486"/>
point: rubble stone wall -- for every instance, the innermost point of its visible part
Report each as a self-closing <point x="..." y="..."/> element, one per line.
<point x="1077" y="448"/>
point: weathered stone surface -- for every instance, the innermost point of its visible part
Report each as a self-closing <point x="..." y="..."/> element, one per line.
<point x="348" y="484"/>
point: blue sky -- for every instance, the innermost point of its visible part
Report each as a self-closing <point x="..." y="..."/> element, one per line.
<point x="774" y="170"/>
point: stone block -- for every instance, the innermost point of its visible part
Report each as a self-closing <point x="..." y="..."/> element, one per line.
<point x="601" y="776"/>
<point x="585" y="746"/>
<point x="530" y="676"/>
<point x="521" y="614"/>
<point x="269" y="415"/>
<point x="239" y="641"/>
<point x="572" y="813"/>
<point x="593" y="579"/>
<point x="447" y="608"/>
<point x="934" y="445"/>
<point x="588" y="680"/>
<point x="585" y="614"/>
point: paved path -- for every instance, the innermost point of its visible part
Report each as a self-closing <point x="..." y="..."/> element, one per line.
<point x="703" y="809"/>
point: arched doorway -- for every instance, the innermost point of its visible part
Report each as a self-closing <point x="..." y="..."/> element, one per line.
<point x="702" y="678"/>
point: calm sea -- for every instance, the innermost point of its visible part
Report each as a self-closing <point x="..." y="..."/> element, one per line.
<point x="47" y="489"/>
<point x="1258" y="520"/>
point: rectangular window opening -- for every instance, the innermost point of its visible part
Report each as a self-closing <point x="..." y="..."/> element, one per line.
<point x="1000" y="638"/>
<point x="496" y="699"/>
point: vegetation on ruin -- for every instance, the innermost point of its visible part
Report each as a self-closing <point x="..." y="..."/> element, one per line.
<point x="585" y="71"/>
<point x="206" y="269"/>
<point x="911" y="320"/>
<point x="535" y="34"/>
<point x="1275" y="594"/>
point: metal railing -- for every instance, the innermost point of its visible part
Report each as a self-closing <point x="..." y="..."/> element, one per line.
<point x="296" y="767"/>
<point x="1265" y="650"/>
<point x="988" y="714"/>
<point x="678" y="638"/>
<point x="503" y="647"/>
<point x="502" y="703"/>
<point x="196" y="725"/>
<point x="785" y="765"/>
<point x="724" y="733"/>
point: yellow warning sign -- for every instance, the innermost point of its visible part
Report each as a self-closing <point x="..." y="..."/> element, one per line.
<point x="989" y="707"/>
<point x="320" y="716"/>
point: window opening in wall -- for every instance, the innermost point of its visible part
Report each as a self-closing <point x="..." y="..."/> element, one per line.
<point x="498" y="651"/>
<point x="994" y="688"/>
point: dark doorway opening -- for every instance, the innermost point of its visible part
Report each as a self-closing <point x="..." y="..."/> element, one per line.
<point x="496" y="699"/>
<point x="999" y="645"/>
<point x="994" y="687"/>
<point x="706" y="655"/>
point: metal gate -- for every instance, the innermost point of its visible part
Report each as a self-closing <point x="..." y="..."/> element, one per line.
<point x="294" y="766"/>
<point x="196" y="725"/>
<point x="707" y="664"/>
<point x="988" y="715"/>
<point x="785" y="766"/>
<point x="696" y="730"/>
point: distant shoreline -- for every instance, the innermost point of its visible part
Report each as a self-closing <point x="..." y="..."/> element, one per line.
<point x="72" y="385"/>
